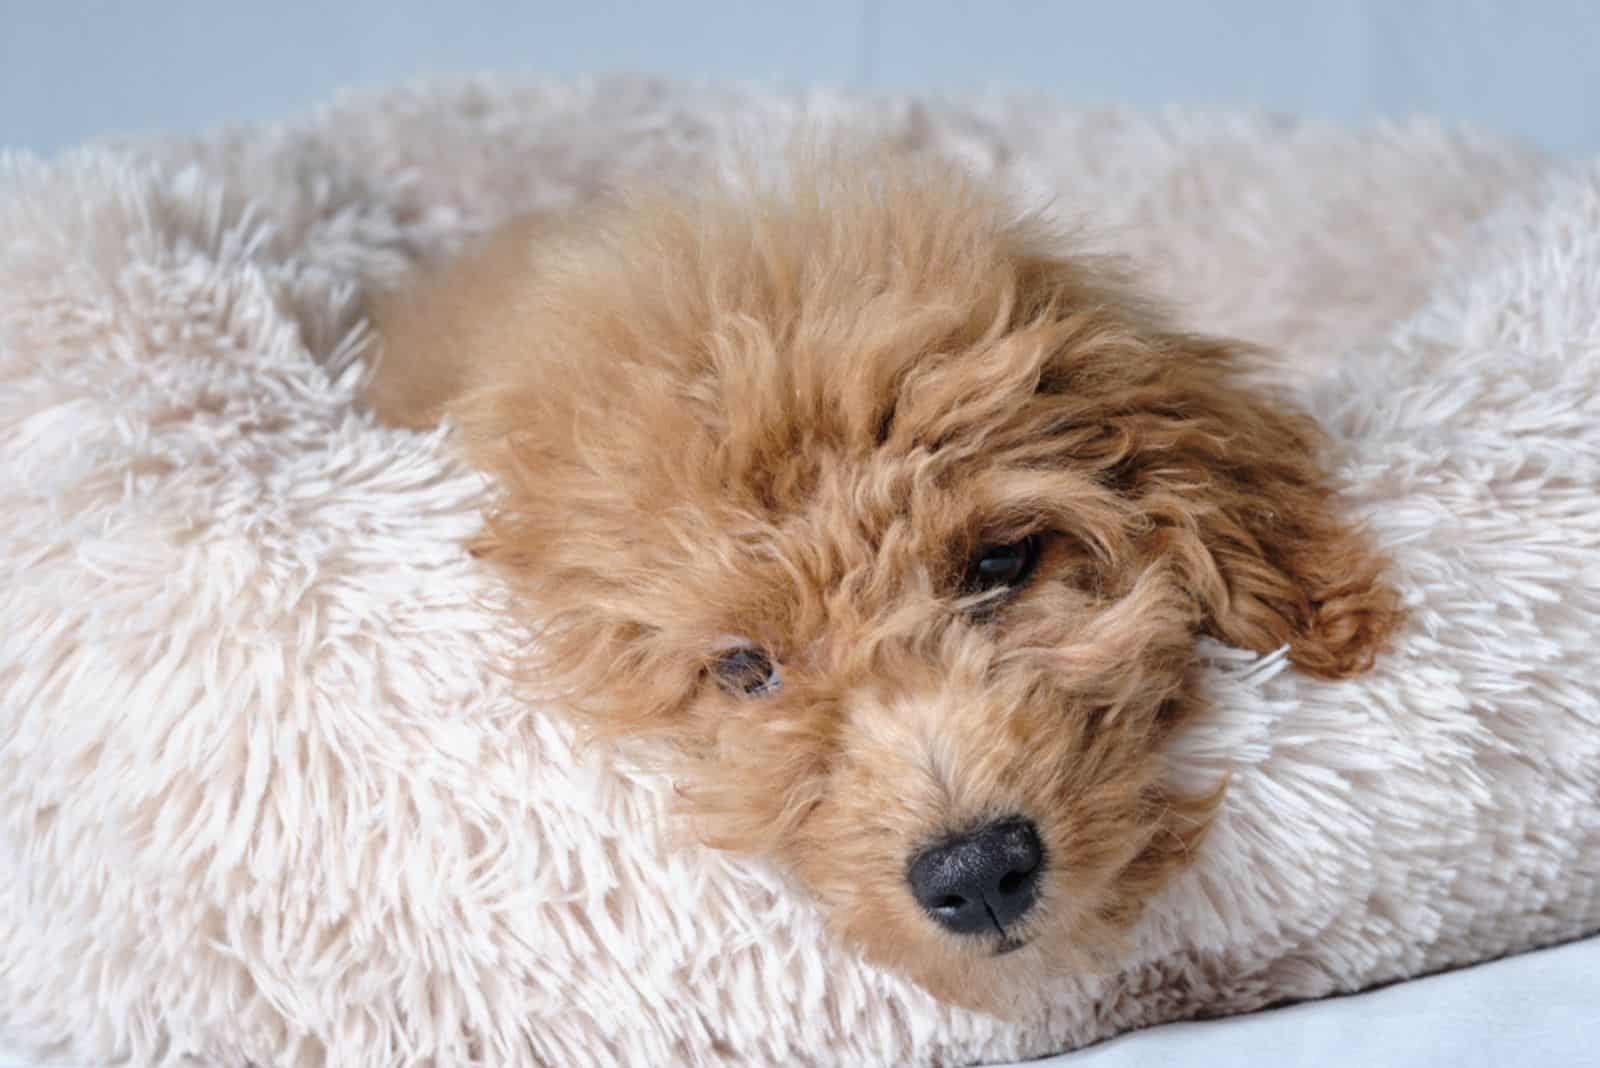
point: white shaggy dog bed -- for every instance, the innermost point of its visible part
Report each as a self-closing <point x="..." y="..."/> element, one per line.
<point x="264" y="797"/>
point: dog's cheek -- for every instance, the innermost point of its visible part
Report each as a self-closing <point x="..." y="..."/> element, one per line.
<point x="856" y="874"/>
<point x="750" y="776"/>
<point x="881" y="798"/>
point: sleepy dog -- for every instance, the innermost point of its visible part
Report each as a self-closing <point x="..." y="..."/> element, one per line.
<point x="895" y="522"/>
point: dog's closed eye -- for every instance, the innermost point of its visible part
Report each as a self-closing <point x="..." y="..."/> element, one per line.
<point x="748" y="671"/>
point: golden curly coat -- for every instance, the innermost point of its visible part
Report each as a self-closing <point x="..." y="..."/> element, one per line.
<point x="896" y="521"/>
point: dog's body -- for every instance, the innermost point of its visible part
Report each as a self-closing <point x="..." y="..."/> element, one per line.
<point x="899" y="526"/>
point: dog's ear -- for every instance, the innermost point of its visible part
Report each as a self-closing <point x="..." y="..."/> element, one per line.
<point x="1231" y="477"/>
<point x="1223" y="476"/>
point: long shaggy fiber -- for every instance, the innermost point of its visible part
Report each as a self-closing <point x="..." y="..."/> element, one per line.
<point x="266" y="798"/>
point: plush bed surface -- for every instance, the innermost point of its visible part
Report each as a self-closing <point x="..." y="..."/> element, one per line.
<point x="1537" y="1008"/>
<point x="265" y="796"/>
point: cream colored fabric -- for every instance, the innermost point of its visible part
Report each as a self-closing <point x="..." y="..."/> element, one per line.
<point x="264" y="797"/>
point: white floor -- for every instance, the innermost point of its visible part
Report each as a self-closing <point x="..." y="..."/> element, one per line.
<point x="1538" y="1010"/>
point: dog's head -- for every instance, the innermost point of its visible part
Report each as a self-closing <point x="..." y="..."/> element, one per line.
<point x="900" y="529"/>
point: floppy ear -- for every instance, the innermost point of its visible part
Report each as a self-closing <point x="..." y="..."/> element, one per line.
<point x="1223" y="476"/>
<point x="1228" y="477"/>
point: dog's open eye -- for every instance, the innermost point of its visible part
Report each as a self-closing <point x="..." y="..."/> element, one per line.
<point x="747" y="670"/>
<point x="1002" y="567"/>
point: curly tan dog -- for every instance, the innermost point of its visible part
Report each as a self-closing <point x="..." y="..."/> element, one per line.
<point x="899" y="526"/>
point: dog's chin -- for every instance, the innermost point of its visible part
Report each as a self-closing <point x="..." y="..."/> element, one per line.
<point x="1005" y="979"/>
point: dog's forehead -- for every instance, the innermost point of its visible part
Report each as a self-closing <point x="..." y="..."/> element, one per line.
<point x="847" y="535"/>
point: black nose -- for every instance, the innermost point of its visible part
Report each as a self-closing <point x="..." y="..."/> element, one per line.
<point x="984" y="880"/>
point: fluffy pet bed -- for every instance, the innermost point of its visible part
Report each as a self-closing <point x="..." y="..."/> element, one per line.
<point x="265" y="798"/>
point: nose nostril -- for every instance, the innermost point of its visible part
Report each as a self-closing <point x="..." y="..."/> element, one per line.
<point x="981" y="881"/>
<point x="1015" y="881"/>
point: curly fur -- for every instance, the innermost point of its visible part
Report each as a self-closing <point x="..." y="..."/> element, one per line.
<point x="791" y="411"/>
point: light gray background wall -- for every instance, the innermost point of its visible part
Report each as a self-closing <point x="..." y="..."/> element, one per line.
<point x="73" y="69"/>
